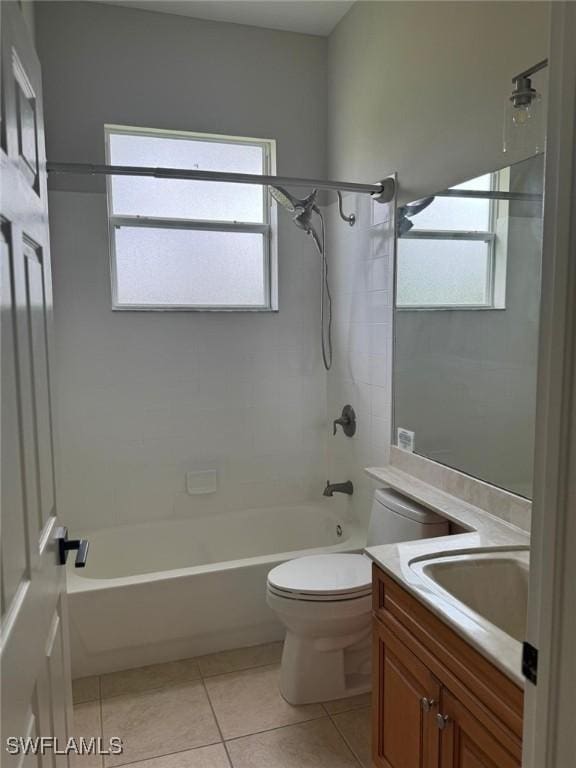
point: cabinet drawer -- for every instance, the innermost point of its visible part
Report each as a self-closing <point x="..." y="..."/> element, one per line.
<point x="486" y="691"/>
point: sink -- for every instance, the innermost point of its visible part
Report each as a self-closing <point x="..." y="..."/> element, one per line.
<point x="489" y="586"/>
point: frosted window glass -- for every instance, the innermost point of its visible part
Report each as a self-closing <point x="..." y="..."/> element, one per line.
<point x="183" y="267"/>
<point x="166" y="198"/>
<point x="458" y="212"/>
<point x="442" y="273"/>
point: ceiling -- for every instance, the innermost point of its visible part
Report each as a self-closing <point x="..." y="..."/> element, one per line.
<point x="312" y="17"/>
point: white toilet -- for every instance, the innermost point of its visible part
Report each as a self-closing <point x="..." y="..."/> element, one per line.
<point x="325" y="603"/>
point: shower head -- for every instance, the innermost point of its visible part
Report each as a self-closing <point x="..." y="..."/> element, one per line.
<point x="406" y="212"/>
<point x="301" y="210"/>
<point x="284" y="198"/>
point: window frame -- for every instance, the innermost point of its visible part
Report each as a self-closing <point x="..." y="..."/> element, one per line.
<point x="268" y="228"/>
<point x="496" y="258"/>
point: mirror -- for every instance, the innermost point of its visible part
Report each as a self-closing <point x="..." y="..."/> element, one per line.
<point x="466" y="316"/>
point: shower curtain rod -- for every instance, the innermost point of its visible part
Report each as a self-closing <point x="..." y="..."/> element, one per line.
<point x="528" y="197"/>
<point x="383" y="191"/>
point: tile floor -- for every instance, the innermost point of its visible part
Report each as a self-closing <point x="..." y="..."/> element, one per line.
<point x="218" y="711"/>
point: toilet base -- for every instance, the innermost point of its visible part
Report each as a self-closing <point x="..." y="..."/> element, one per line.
<point x="316" y="669"/>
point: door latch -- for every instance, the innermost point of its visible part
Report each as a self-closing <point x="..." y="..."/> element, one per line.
<point x="65" y="545"/>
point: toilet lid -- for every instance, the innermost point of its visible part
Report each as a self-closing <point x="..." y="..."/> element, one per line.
<point x="331" y="574"/>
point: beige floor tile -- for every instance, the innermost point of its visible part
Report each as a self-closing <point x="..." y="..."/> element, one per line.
<point x="86" y="689"/>
<point x="250" y="701"/>
<point x="309" y="745"/>
<point x="239" y="659"/>
<point x="213" y="756"/>
<point x="345" y="705"/>
<point x="159" y="722"/>
<point x="148" y="678"/>
<point x="87" y="724"/>
<point x="355" y="726"/>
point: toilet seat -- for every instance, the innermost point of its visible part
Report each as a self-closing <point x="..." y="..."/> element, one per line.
<point x="322" y="578"/>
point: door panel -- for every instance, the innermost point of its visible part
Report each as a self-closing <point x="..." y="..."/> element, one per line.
<point x="404" y="732"/>
<point x="14" y="549"/>
<point x="36" y="309"/>
<point x="36" y="689"/>
<point x="466" y="743"/>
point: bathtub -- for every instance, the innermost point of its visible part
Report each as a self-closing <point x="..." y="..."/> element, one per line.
<point x="160" y="591"/>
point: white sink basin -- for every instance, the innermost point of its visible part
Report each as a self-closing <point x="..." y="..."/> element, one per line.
<point x="490" y="587"/>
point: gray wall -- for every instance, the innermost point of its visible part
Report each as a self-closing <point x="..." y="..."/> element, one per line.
<point x="145" y="397"/>
<point x="420" y="87"/>
<point x="119" y="65"/>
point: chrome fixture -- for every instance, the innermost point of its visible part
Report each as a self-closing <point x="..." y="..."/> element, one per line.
<point x="302" y="210"/>
<point x="347" y="421"/>
<point x="523" y="119"/>
<point x="427" y="704"/>
<point x="332" y="488"/>
<point x="406" y="212"/>
<point x="382" y="192"/>
<point x="523" y="92"/>
<point x="351" y="219"/>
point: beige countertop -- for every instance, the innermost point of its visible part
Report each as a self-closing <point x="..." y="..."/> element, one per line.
<point x="483" y="533"/>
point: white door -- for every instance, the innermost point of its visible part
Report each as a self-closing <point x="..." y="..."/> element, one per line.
<point x="35" y="668"/>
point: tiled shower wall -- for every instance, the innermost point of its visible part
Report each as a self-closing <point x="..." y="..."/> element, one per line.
<point x="361" y="278"/>
<point x="146" y="397"/>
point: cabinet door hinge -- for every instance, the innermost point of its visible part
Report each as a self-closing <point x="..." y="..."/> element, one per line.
<point x="530" y="662"/>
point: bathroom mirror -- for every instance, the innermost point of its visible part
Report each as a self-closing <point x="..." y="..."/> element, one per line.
<point x="466" y="316"/>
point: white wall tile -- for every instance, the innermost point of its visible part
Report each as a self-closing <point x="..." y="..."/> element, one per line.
<point x="145" y="397"/>
<point x="361" y="374"/>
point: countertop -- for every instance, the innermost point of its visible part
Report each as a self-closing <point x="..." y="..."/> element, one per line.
<point x="483" y="532"/>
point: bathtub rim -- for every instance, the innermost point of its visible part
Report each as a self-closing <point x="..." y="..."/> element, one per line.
<point x="78" y="584"/>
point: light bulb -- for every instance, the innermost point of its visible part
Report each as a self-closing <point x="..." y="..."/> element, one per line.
<point x="523" y="128"/>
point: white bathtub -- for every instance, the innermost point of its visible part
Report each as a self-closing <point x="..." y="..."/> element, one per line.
<point x="160" y="591"/>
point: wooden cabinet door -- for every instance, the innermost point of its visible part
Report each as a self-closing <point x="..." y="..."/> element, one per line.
<point x="465" y="742"/>
<point x="404" y="730"/>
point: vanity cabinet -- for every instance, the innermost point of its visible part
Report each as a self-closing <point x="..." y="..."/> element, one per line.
<point x="437" y="702"/>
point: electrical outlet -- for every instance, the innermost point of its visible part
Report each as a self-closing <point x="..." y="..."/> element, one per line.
<point x="405" y="439"/>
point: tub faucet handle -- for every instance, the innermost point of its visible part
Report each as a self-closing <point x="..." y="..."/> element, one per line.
<point x="347" y="421"/>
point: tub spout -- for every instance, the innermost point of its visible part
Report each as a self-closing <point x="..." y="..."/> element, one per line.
<point x="332" y="488"/>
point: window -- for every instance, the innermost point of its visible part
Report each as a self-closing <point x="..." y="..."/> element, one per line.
<point x="182" y="244"/>
<point x="454" y="255"/>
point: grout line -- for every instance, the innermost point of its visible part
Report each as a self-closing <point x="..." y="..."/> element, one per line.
<point x="168" y="754"/>
<point x="240" y="669"/>
<point x="343" y="737"/>
<point x="201" y="676"/>
<point x="276" y="728"/>
<point x="217" y="723"/>
<point x="154" y="689"/>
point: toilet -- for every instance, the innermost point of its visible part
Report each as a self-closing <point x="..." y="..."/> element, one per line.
<point x="325" y="603"/>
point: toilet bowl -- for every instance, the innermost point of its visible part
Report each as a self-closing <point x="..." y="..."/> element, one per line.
<point x="325" y="602"/>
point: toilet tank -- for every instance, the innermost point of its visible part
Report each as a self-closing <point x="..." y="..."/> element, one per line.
<point x="396" y="518"/>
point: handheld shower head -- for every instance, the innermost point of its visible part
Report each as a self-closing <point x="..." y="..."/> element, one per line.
<point x="301" y="210"/>
<point x="406" y="212"/>
<point x="284" y="198"/>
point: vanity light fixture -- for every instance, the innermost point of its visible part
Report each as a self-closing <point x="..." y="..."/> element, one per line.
<point x="523" y="128"/>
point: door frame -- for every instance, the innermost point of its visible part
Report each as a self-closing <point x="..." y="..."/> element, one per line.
<point x="549" y="734"/>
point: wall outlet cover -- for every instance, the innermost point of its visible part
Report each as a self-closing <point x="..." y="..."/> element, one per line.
<point x="405" y="439"/>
